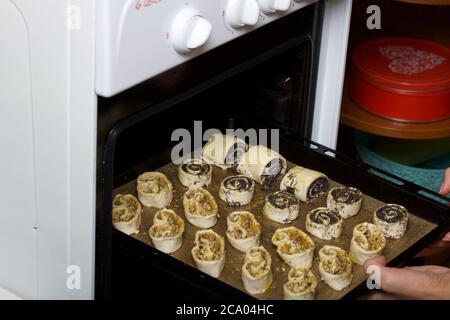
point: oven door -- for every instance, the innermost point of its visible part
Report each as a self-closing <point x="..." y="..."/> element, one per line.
<point x="267" y="77"/>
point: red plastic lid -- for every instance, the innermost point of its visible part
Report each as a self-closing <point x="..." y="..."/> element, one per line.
<point x="404" y="64"/>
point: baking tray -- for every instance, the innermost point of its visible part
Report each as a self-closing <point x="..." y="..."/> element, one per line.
<point x="419" y="228"/>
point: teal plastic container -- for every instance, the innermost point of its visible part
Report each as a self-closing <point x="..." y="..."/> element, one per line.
<point x="428" y="174"/>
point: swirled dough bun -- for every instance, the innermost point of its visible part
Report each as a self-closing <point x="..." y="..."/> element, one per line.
<point x="368" y="241"/>
<point x="346" y="201"/>
<point x="195" y="173"/>
<point x="209" y="252"/>
<point x="281" y="207"/>
<point x="256" y="271"/>
<point x="243" y="230"/>
<point x="237" y="191"/>
<point x="154" y="190"/>
<point x="305" y="183"/>
<point x="126" y="213"/>
<point x="335" y="267"/>
<point x="324" y="223"/>
<point x="262" y="165"/>
<point x="294" y="247"/>
<point x="392" y="219"/>
<point x="301" y="285"/>
<point x="167" y="230"/>
<point x="223" y="151"/>
<point x="200" y="208"/>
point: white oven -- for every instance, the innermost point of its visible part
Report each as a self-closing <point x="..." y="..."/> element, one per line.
<point x="65" y="69"/>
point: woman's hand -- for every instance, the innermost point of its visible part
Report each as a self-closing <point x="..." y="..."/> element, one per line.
<point x="445" y="189"/>
<point x="445" y="186"/>
<point x="422" y="282"/>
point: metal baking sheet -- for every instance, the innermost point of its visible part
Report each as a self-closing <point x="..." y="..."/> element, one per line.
<point x="231" y="275"/>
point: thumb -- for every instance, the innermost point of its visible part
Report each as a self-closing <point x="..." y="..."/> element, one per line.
<point x="445" y="187"/>
<point x="402" y="282"/>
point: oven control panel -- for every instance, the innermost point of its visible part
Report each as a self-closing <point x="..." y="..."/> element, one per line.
<point x="139" y="39"/>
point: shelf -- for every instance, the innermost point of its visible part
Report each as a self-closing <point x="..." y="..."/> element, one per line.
<point x="430" y="2"/>
<point x="358" y="118"/>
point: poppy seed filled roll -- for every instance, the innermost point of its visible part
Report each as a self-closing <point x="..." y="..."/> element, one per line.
<point x="195" y="173"/>
<point x="237" y="191"/>
<point x="346" y="201"/>
<point x="262" y="165"/>
<point x="392" y="219"/>
<point x="281" y="207"/>
<point x="223" y="151"/>
<point x="305" y="183"/>
<point x="324" y="223"/>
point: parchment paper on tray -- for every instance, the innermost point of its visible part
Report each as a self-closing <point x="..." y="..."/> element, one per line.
<point x="231" y="275"/>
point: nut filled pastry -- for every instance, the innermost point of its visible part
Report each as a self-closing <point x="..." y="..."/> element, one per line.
<point x="392" y="219"/>
<point x="294" y="247"/>
<point x="167" y="230"/>
<point x="306" y="184"/>
<point x="324" y="223"/>
<point x="209" y="252"/>
<point x="126" y="213"/>
<point x="200" y="208"/>
<point x="223" y="151"/>
<point x="368" y="241"/>
<point x="301" y="285"/>
<point x="281" y="207"/>
<point x="243" y="230"/>
<point x="237" y="191"/>
<point x="256" y="271"/>
<point x="335" y="267"/>
<point x="154" y="190"/>
<point x="195" y="173"/>
<point x="346" y="201"/>
<point x="262" y="165"/>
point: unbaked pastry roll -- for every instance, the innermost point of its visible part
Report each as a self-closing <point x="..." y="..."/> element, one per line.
<point x="324" y="223"/>
<point x="237" y="191"/>
<point x="301" y="284"/>
<point x="335" y="267"/>
<point x="346" y="201"/>
<point x="200" y="208"/>
<point x="243" y="230"/>
<point x="154" y="190"/>
<point x="126" y="213"/>
<point x="256" y="271"/>
<point x="392" y="219"/>
<point x="262" y="165"/>
<point x="368" y="241"/>
<point x="281" y="207"/>
<point x="209" y="252"/>
<point x="195" y="173"/>
<point x="223" y="151"/>
<point x="167" y="230"/>
<point x="306" y="184"/>
<point x="294" y="247"/>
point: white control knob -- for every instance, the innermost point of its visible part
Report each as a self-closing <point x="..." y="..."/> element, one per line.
<point x="189" y="30"/>
<point x="272" y="6"/>
<point x="241" y="13"/>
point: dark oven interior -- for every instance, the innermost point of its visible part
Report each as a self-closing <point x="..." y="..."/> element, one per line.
<point x="263" y="80"/>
